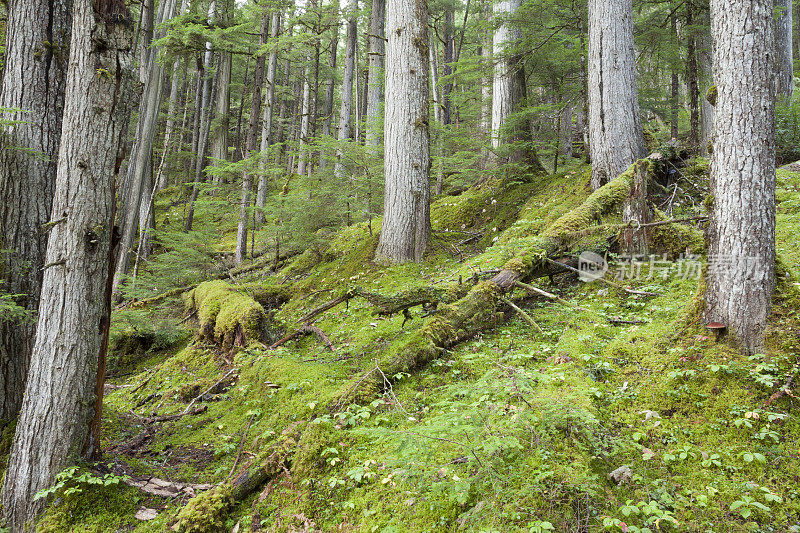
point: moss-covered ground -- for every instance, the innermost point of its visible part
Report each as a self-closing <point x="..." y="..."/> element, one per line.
<point x="513" y="430"/>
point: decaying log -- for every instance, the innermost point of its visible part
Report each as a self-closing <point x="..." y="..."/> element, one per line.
<point x="477" y="309"/>
<point x="272" y="463"/>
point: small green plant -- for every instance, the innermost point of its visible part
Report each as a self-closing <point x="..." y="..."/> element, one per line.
<point x="74" y="480"/>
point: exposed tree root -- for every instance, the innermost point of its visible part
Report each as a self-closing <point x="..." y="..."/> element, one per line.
<point x="306" y="329"/>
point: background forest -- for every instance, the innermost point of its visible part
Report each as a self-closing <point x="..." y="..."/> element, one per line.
<point x="339" y="291"/>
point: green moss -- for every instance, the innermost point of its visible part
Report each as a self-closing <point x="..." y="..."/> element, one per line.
<point x="311" y="457"/>
<point x="206" y="512"/>
<point x="226" y="315"/>
<point x="711" y="95"/>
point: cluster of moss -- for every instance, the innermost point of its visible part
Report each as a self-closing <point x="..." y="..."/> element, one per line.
<point x="226" y="315"/>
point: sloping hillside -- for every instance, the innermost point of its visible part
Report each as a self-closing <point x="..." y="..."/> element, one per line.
<point x="603" y="409"/>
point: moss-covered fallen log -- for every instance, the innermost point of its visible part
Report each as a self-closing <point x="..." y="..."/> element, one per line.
<point x="206" y="512"/>
<point x="233" y="316"/>
<point x="478" y="309"/>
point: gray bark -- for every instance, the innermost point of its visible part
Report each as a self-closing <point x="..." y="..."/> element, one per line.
<point x="33" y="80"/>
<point x="783" y="49"/>
<point x="346" y="109"/>
<point x="741" y="274"/>
<point x="406" y="209"/>
<point x="266" y="120"/>
<point x="509" y="89"/>
<point x="174" y="97"/>
<point x="140" y="163"/>
<point x="204" y="128"/>
<point x="704" y="61"/>
<point x="251" y="144"/>
<point x="219" y="144"/>
<point x="615" y="126"/>
<point x="65" y="371"/>
<point x="375" y="74"/>
<point x="305" y="118"/>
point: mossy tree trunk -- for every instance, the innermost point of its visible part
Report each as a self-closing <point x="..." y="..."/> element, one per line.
<point x="478" y="309"/>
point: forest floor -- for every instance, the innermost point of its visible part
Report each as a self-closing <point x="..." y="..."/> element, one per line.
<point x="620" y="413"/>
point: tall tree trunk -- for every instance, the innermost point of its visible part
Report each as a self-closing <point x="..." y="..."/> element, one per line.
<point x="346" y="109"/>
<point x="615" y="126"/>
<point x="33" y="80"/>
<point x="435" y="96"/>
<point x="144" y="36"/>
<point x="375" y="75"/>
<point x="741" y="274"/>
<point x="448" y="58"/>
<point x="175" y="94"/>
<point x="251" y="143"/>
<point x="330" y="85"/>
<point x="204" y="129"/>
<point x="74" y="315"/>
<point x="266" y="120"/>
<point x="406" y="208"/>
<point x="692" y="76"/>
<point x="169" y="129"/>
<point x="509" y="92"/>
<point x="219" y="143"/>
<point x="704" y="61"/>
<point x="674" y="101"/>
<point x="141" y="155"/>
<point x="783" y="42"/>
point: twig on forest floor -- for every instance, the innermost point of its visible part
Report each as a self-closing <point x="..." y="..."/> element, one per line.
<point x="525" y="316"/>
<point x="227" y="374"/>
<point x="241" y="446"/>
<point x="388" y="383"/>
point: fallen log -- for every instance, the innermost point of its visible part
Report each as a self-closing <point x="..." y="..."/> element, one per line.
<point x="212" y="506"/>
<point x="477" y="310"/>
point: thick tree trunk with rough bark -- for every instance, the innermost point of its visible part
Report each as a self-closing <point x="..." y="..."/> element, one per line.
<point x="783" y="51"/>
<point x="141" y="164"/>
<point x="406" y="207"/>
<point x="33" y="80"/>
<point x="251" y="144"/>
<point x="509" y="92"/>
<point x="346" y="110"/>
<point x="741" y="274"/>
<point x="53" y="428"/>
<point x="615" y="126"/>
<point x="375" y="74"/>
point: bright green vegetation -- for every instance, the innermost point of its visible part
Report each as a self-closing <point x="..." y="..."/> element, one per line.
<point x="512" y="430"/>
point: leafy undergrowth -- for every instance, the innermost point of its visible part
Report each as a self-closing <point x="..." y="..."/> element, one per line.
<point x="592" y="424"/>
